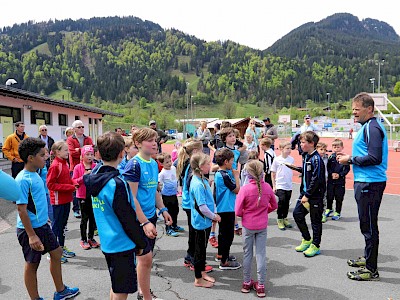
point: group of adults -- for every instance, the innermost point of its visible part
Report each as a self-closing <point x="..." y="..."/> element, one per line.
<point x="369" y="159"/>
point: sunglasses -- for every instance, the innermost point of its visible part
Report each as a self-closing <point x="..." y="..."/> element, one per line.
<point x="43" y="129"/>
<point x="80" y="127"/>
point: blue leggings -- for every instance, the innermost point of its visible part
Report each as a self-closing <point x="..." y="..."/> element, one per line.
<point x="60" y="219"/>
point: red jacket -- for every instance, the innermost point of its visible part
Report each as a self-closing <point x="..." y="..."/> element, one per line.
<point x="59" y="182"/>
<point x="79" y="171"/>
<point x="74" y="155"/>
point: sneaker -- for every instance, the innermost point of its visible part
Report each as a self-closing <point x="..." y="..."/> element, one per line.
<point x="287" y="223"/>
<point x="207" y="268"/>
<point x="323" y="218"/>
<point x="77" y="214"/>
<point x="363" y="274"/>
<point x="281" y="226"/>
<point x="358" y="263"/>
<point x="153" y="297"/>
<point x="238" y="231"/>
<point x="171" y="232"/>
<point x="93" y="243"/>
<point x="303" y="246"/>
<point x="178" y="228"/>
<point x="230" y="265"/>
<point x="213" y="242"/>
<point x="96" y="232"/>
<point x="230" y="258"/>
<point x="247" y="286"/>
<point x="336" y="216"/>
<point x="84" y="245"/>
<point x="63" y="259"/>
<point x="68" y="253"/>
<point x="312" y="251"/>
<point x="260" y="289"/>
<point x="328" y="212"/>
<point x="67" y="293"/>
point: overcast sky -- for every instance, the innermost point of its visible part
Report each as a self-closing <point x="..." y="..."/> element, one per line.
<point x="257" y="24"/>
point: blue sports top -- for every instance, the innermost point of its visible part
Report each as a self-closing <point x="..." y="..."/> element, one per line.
<point x="145" y="172"/>
<point x="200" y="194"/>
<point x="185" y="187"/>
<point x="33" y="194"/>
<point x="224" y="185"/>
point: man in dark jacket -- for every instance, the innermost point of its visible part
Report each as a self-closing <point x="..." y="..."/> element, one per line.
<point x="162" y="136"/>
<point x="270" y="131"/>
<point x="47" y="139"/>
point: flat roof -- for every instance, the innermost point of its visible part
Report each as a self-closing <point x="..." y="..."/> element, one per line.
<point x="26" y="95"/>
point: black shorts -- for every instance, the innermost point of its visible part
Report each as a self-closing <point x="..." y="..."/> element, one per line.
<point x="122" y="268"/>
<point x="47" y="238"/>
<point x="149" y="242"/>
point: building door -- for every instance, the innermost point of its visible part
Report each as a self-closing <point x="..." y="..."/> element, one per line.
<point x="8" y="129"/>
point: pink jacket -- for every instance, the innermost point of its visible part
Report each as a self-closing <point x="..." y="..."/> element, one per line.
<point x="255" y="217"/>
<point x="79" y="171"/>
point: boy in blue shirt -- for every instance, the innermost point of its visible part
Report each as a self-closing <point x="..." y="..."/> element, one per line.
<point x="114" y="211"/>
<point x="34" y="233"/>
<point x="141" y="172"/>
<point x="226" y="182"/>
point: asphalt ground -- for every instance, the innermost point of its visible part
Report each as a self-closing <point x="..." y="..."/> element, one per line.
<point x="290" y="275"/>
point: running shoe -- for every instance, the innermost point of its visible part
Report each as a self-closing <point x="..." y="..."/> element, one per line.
<point x="213" y="242"/>
<point x="172" y="233"/>
<point x="287" y="223"/>
<point x="68" y="253"/>
<point x="260" y="289"/>
<point x="230" y="265"/>
<point x="363" y="274"/>
<point x="178" y="228"/>
<point x="93" y="243"/>
<point x="67" y="293"/>
<point x="247" y="286"/>
<point x="336" y="216"/>
<point x="358" y="263"/>
<point x="281" y="225"/>
<point x="328" y="212"/>
<point x="84" y="245"/>
<point x="77" y="214"/>
<point x="312" y="251"/>
<point x="230" y="258"/>
<point x="303" y="246"/>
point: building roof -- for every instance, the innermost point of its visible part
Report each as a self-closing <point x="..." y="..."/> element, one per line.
<point x="233" y="122"/>
<point x="26" y="95"/>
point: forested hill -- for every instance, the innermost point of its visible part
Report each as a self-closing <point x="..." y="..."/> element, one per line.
<point x="130" y="60"/>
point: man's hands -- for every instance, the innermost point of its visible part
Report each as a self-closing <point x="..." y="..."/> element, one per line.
<point x="343" y="158"/>
<point x="35" y="243"/>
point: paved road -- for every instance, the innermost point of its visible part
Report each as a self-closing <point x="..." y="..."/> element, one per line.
<point x="290" y="275"/>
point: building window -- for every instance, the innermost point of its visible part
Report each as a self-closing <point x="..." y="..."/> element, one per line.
<point x="15" y="113"/>
<point x="77" y="118"/>
<point x="62" y="120"/>
<point x="40" y="115"/>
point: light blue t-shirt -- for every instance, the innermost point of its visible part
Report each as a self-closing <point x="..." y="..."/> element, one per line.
<point x="33" y="194"/>
<point x="200" y="194"/>
<point x="224" y="185"/>
<point x="43" y="174"/>
<point x="9" y="189"/>
<point x="145" y="172"/>
<point x="169" y="181"/>
<point x="185" y="187"/>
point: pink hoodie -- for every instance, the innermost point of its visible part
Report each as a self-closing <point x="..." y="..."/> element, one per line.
<point x="255" y="217"/>
<point x="79" y="171"/>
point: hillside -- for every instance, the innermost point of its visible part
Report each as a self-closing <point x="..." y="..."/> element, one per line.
<point x="136" y="63"/>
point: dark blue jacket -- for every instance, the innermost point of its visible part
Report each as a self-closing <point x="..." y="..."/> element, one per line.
<point x="334" y="167"/>
<point x="313" y="183"/>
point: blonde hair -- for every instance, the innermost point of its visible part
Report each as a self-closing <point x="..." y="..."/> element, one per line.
<point x="284" y="144"/>
<point x="321" y="145"/>
<point x="185" y="152"/>
<point x="128" y="141"/>
<point x="253" y="154"/>
<point x="255" y="169"/>
<point x="197" y="160"/>
<point x="337" y="142"/>
<point x="266" y="142"/>
<point x="143" y="134"/>
<point x="57" y="146"/>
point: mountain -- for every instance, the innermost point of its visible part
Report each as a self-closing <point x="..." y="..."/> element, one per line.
<point x="131" y="61"/>
<point x="341" y="35"/>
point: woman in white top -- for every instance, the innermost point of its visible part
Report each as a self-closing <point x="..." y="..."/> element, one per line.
<point x="204" y="135"/>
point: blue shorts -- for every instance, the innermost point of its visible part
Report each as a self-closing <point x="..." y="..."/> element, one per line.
<point x="150" y="243"/>
<point x="47" y="238"/>
<point x="122" y="269"/>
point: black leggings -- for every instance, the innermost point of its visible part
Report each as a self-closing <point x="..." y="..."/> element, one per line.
<point x="171" y="202"/>
<point x="191" y="239"/>
<point x="201" y="240"/>
<point x="283" y="203"/>
<point x="87" y="217"/>
<point x="225" y="234"/>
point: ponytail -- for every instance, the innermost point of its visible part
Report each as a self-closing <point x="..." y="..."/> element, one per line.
<point x="255" y="170"/>
<point x="57" y="146"/>
<point x="185" y="152"/>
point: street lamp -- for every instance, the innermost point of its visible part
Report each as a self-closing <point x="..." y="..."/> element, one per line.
<point x="191" y="107"/>
<point x="373" y="84"/>
<point x="328" y="96"/>
<point x="187" y="103"/>
<point x="291" y="97"/>
<point x="379" y="63"/>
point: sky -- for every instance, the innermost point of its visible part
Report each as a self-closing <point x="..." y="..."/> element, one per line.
<point x="257" y="24"/>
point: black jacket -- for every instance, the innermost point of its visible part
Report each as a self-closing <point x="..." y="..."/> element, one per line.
<point x="334" y="167"/>
<point x="313" y="182"/>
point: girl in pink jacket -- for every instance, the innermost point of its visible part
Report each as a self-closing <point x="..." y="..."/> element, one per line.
<point x="253" y="203"/>
<point x="83" y="168"/>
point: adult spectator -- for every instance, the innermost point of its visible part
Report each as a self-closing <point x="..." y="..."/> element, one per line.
<point x="162" y="136"/>
<point x="133" y="128"/>
<point x="68" y="132"/>
<point x="119" y="131"/>
<point x="75" y="143"/>
<point x="270" y="131"/>
<point x="47" y="139"/>
<point x="307" y="126"/>
<point x="216" y="141"/>
<point x="10" y="148"/>
<point x="251" y="129"/>
<point x="204" y="135"/>
<point x="369" y="159"/>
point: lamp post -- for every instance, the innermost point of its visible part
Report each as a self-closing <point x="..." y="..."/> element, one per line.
<point x="291" y="97"/>
<point x="191" y="107"/>
<point x="328" y="96"/>
<point x="373" y="84"/>
<point x="187" y="103"/>
<point x="379" y="63"/>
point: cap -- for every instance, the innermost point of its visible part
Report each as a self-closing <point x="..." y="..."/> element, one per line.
<point x="86" y="149"/>
<point x="266" y="119"/>
<point x="152" y="122"/>
<point x="307" y="117"/>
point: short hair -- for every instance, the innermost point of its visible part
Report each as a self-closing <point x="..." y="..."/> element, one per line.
<point x="310" y="137"/>
<point x="76" y="123"/>
<point x="42" y="126"/>
<point x="144" y="134"/>
<point x="225" y="124"/>
<point x="30" y="146"/>
<point x="284" y="144"/>
<point x="253" y="154"/>
<point x="337" y="142"/>
<point x="365" y="99"/>
<point x="266" y="142"/>
<point x="225" y="132"/>
<point x="321" y="145"/>
<point x="19" y="123"/>
<point x="116" y="129"/>
<point x="95" y="148"/>
<point x="110" y="145"/>
<point x="223" y="154"/>
<point x="217" y="125"/>
<point x="163" y="156"/>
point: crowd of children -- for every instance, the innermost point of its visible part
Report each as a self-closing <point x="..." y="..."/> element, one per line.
<point x="120" y="188"/>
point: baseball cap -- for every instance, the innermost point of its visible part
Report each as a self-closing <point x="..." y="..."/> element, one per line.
<point x="307" y="117"/>
<point x="266" y="119"/>
<point x="152" y="122"/>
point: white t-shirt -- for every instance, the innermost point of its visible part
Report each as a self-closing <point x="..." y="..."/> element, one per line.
<point x="169" y="181"/>
<point x="284" y="175"/>
<point x="269" y="156"/>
